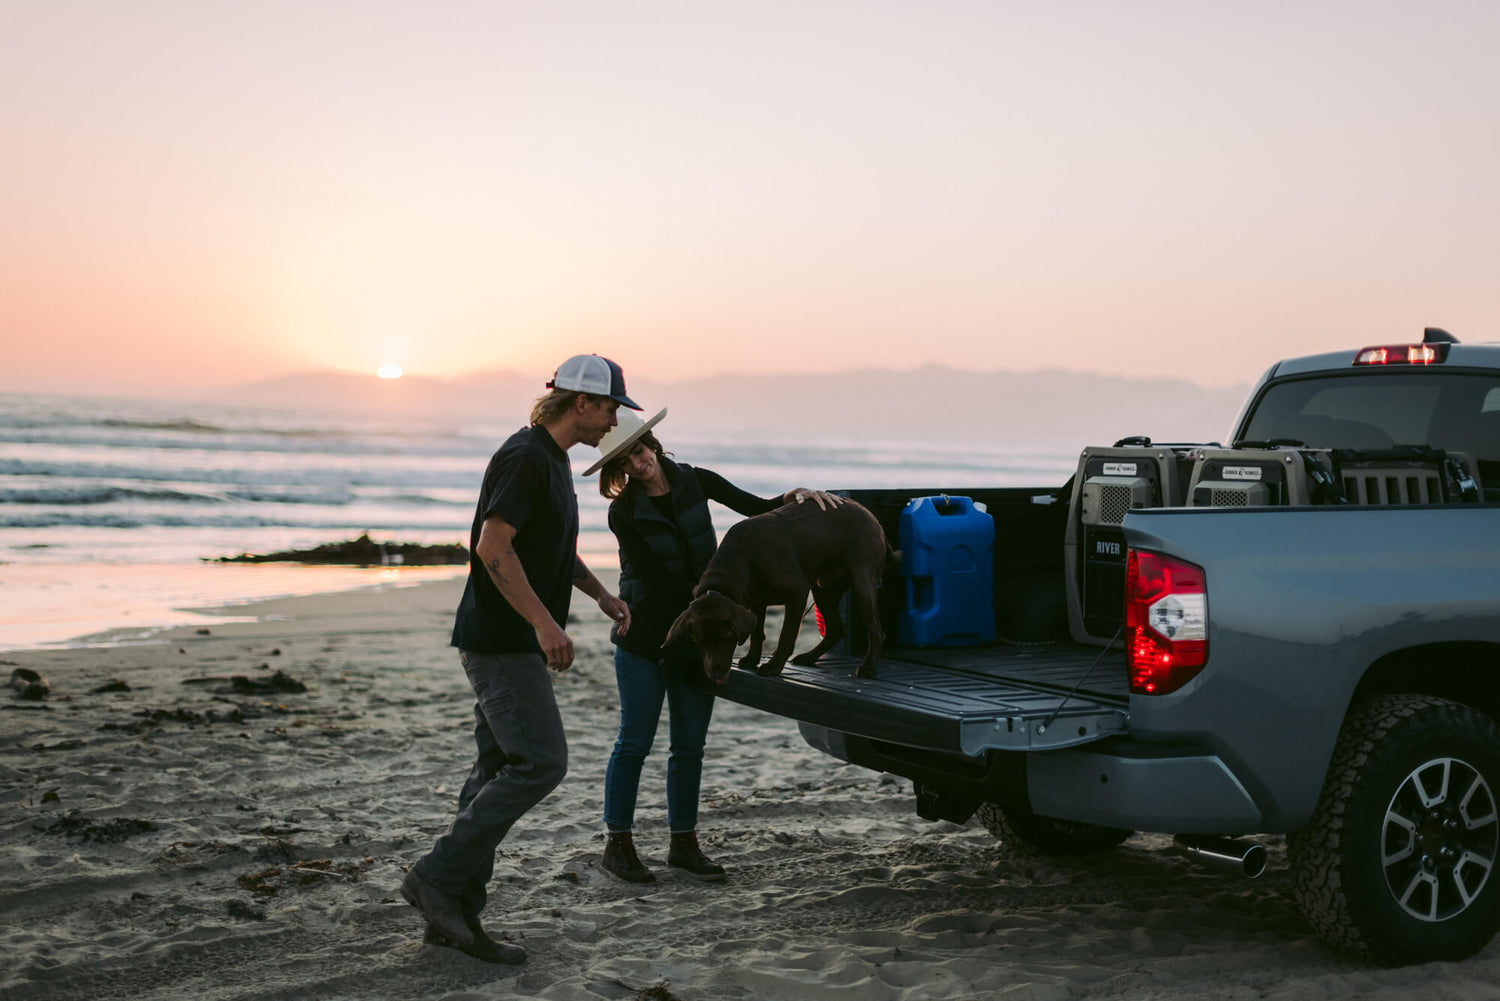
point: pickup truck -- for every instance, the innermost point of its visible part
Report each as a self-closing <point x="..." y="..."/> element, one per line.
<point x="1321" y="662"/>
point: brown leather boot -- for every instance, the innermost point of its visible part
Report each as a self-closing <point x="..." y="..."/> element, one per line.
<point x="442" y="909"/>
<point x="685" y="854"/>
<point x="483" y="947"/>
<point x="621" y="862"/>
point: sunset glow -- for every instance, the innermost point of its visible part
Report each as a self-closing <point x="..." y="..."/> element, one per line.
<point x="389" y="371"/>
<point x="712" y="188"/>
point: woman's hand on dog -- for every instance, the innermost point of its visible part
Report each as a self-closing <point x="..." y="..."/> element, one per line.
<point x="823" y="499"/>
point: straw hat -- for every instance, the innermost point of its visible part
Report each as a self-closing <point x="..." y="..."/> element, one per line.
<point x="622" y="436"/>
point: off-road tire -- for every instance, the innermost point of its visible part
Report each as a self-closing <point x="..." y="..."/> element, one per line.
<point x="1024" y="833"/>
<point x="1408" y="810"/>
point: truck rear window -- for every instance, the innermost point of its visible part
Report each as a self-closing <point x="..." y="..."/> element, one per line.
<point x="1454" y="411"/>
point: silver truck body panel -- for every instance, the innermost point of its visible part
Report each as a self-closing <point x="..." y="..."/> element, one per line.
<point x="1301" y="602"/>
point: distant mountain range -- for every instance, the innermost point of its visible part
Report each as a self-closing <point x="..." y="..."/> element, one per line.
<point x="934" y="403"/>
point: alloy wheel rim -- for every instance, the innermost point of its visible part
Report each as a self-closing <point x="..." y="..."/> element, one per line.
<point x="1440" y="840"/>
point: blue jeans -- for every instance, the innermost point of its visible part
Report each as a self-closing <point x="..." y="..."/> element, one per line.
<point x="643" y="686"/>
<point x="522" y="756"/>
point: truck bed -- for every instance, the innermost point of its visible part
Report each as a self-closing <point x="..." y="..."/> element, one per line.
<point x="968" y="700"/>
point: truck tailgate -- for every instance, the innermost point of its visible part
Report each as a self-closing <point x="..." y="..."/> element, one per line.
<point x="968" y="700"/>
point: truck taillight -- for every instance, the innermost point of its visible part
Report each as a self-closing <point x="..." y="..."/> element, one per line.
<point x="1403" y="354"/>
<point x="1166" y="622"/>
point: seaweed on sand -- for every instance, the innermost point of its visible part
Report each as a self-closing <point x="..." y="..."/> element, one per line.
<point x="362" y="551"/>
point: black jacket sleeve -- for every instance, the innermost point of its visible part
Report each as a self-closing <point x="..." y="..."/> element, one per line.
<point x="740" y="501"/>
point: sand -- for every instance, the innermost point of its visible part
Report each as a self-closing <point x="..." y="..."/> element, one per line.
<point x="174" y="837"/>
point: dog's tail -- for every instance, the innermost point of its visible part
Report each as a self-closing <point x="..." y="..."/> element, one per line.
<point x="892" y="563"/>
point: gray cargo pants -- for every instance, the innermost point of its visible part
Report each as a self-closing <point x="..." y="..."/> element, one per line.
<point x="523" y="755"/>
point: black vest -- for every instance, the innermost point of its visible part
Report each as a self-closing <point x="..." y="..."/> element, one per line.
<point x="682" y="548"/>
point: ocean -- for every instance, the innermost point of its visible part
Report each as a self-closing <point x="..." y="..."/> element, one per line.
<point x="110" y="509"/>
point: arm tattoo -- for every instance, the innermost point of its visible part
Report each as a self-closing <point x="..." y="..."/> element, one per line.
<point x="494" y="568"/>
<point x="495" y="574"/>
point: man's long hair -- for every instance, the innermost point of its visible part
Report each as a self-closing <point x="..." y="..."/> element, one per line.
<point x="555" y="405"/>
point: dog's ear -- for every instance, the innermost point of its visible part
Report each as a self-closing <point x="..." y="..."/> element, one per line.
<point x="741" y="620"/>
<point x="680" y="627"/>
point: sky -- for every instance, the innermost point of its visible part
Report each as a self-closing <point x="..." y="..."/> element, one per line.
<point x="199" y="195"/>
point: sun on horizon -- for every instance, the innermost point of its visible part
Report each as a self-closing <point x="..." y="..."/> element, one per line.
<point x="390" y="370"/>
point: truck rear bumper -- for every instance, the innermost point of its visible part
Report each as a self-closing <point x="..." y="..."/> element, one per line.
<point x="1116" y="783"/>
<point x="1139" y="788"/>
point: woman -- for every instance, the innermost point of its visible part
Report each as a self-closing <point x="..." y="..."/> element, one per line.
<point x="659" y="513"/>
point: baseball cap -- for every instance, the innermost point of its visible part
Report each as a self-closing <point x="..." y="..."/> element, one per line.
<point x="592" y="374"/>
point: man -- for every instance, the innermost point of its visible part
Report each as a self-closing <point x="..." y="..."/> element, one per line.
<point x="523" y="565"/>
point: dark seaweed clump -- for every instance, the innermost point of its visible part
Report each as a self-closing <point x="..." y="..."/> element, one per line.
<point x="362" y="551"/>
<point x="102" y="831"/>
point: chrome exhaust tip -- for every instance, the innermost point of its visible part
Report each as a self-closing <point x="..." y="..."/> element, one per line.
<point x="1245" y="857"/>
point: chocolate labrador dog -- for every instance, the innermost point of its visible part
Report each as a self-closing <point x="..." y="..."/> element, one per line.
<point x="776" y="559"/>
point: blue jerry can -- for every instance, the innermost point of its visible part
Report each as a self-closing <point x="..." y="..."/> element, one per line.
<point x="947" y="554"/>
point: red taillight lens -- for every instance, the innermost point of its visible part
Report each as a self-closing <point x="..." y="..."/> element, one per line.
<point x="1166" y="622"/>
<point x="1403" y="354"/>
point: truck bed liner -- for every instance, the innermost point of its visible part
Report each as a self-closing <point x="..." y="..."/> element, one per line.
<point x="1093" y="671"/>
<point x="967" y="700"/>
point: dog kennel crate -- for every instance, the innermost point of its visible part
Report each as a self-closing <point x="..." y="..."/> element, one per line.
<point x="1258" y="477"/>
<point x="1408" y="476"/>
<point x="1281" y="476"/>
<point x="1110" y="483"/>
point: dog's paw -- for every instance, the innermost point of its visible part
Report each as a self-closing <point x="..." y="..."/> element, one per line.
<point x="805" y="659"/>
<point x="770" y="668"/>
<point x="865" y="671"/>
<point x="747" y="663"/>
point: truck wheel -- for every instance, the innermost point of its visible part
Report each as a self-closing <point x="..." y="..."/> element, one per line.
<point x="1398" y="861"/>
<point x="1027" y="833"/>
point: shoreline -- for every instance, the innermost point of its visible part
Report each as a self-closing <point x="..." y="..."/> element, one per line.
<point x="173" y="833"/>
<point x="50" y="606"/>
<point x="61" y="605"/>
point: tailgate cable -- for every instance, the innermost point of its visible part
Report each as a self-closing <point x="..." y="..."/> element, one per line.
<point x="1079" y="683"/>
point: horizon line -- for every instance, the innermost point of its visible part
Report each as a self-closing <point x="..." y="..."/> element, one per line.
<point x="371" y="378"/>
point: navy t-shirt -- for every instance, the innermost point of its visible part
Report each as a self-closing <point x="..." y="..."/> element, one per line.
<point x="529" y="484"/>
